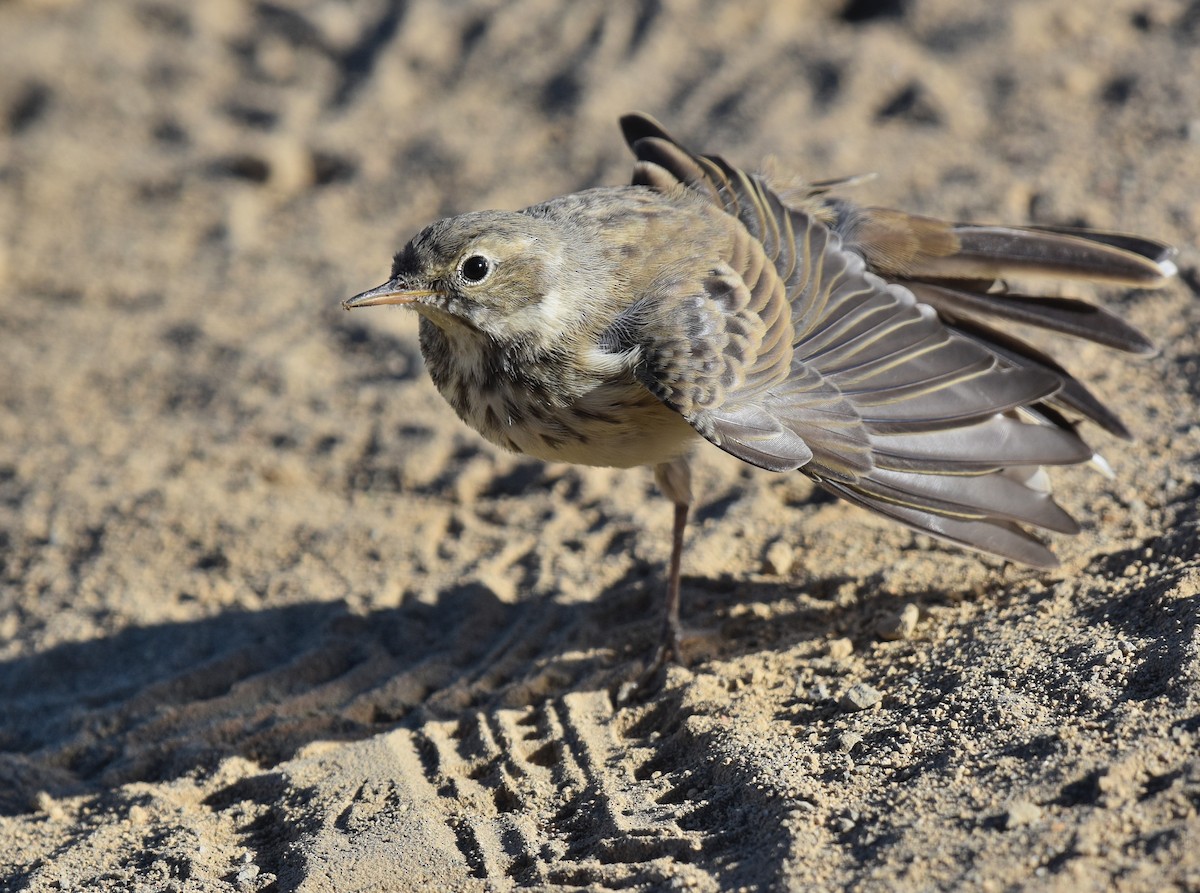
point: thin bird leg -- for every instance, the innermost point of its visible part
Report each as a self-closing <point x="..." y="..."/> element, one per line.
<point x="675" y="480"/>
<point x="672" y="633"/>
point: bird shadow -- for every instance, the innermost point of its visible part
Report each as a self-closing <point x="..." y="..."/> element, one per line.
<point x="150" y="703"/>
<point x="153" y="703"/>
<point x="158" y="702"/>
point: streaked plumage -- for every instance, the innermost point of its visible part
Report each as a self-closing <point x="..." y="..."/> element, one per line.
<point x="867" y="348"/>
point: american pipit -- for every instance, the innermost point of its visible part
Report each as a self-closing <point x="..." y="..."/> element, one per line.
<point x="867" y="348"/>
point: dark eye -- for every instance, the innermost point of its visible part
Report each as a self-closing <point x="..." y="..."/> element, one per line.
<point x="475" y="268"/>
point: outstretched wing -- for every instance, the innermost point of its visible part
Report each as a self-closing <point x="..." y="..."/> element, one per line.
<point x="870" y="390"/>
<point x="957" y="269"/>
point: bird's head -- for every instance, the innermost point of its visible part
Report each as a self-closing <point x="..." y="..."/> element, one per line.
<point x="499" y="273"/>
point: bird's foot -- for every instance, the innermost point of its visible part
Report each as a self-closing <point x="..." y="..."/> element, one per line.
<point x="650" y="681"/>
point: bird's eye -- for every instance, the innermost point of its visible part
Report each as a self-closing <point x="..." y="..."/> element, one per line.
<point x="475" y="268"/>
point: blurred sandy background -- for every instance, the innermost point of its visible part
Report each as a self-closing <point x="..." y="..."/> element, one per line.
<point x="272" y="619"/>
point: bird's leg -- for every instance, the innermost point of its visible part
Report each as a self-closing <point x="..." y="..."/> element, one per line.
<point x="675" y="480"/>
<point x="672" y="633"/>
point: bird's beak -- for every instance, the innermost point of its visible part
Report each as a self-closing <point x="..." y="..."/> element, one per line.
<point x="395" y="291"/>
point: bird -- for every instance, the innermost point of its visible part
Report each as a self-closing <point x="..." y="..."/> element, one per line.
<point x="879" y="353"/>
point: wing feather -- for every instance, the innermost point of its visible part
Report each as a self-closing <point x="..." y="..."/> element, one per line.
<point x="860" y="345"/>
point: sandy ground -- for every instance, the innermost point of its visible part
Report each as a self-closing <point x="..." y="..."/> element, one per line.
<point x="272" y="619"/>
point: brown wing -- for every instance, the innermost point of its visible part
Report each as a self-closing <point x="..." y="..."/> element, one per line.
<point x="958" y="269"/>
<point x="714" y="339"/>
<point x="901" y="412"/>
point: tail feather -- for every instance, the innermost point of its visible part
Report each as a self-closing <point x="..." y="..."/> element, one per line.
<point x="1000" y="251"/>
<point x="1158" y="253"/>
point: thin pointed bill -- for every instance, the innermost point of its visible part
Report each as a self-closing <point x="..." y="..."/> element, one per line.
<point x="392" y="292"/>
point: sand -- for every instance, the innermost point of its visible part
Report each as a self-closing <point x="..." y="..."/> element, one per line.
<point x="272" y="619"/>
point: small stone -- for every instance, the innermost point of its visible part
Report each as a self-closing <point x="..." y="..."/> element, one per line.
<point x="275" y="57"/>
<point x="819" y="692"/>
<point x="839" y="649"/>
<point x="291" y="167"/>
<point x="246" y="877"/>
<point x="847" y="741"/>
<point x="1021" y="812"/>
<point x="779" y="558"/>
<point x="861" y="697"/>
<point x="1116" y="787"/>
<point x="48" y="805"/>
<point x="627" y="692"/>
<point x="900" y="625"/>
<point x="1088" y="842"/>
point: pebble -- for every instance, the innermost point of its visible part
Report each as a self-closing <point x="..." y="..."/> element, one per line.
<point x="861" y="697"/>
<point x="819" y="692"/>
<point x="247" y="875"/>
<point x="779" y="558"/>
<point x="291" y="166"/>
<point x="847" y="741"/>
<point x="1021" y="812"/>
<point x="49" y="806"/>
<point x="899" y="625"/>
<point x="841" y="648"/>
